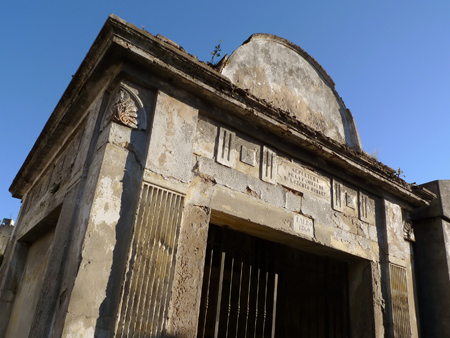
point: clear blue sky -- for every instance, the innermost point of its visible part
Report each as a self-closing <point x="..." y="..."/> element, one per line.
<point x="390" y="61"/>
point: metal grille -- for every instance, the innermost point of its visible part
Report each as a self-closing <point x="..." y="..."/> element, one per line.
<point x="256" y="288"/>
<point x="151" y="264"/>
<point x="400" y="308"/>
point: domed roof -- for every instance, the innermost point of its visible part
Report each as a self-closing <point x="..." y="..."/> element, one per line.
<point x="285" y="76"/>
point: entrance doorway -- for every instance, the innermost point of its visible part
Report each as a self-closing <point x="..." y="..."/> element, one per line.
<point x="257" y="288"/>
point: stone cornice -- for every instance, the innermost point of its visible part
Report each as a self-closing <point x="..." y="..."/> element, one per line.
<point x="120" y="43"/>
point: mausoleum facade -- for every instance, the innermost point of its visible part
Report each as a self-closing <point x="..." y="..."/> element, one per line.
<point x="169" y="197"/>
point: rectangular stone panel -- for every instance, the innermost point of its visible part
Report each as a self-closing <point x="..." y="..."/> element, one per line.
<point x="345" y="199"/>
<point x="225" y="147"/>
<point x="366" y="208"/>
<point x="248" y="156"/>
<point x="298" y="178"/>
<point x="338" y="193"/>
<point x="269" y="166"/>
<point x="398" y="247"/>
<point x="172" y="138"/>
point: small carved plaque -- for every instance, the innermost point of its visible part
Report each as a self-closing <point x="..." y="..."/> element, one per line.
<point x="345" y="199"/>
<point x="337" y="196"/>
<point x="225" y="148"/>
<point x="301" y="179"/>
<point x="350" y="200"/>
<point x="304" y="225"/>
<point x="366" y="208"/>
<point x="248" y="156"/>
<point x="269" y="166"/>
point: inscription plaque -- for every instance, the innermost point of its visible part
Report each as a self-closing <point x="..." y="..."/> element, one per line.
<point x="303" y="225"/>
<point x="301" y="179"/>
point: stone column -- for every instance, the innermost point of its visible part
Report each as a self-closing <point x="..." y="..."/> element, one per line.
<point x="184" y="305"/>
<point x="106" y="217"/>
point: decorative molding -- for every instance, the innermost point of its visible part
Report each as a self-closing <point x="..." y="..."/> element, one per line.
<point x="408" y="231"/>
<point x="127" y="109"/>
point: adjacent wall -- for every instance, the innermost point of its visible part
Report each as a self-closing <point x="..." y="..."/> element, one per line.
<point x="432" y="261"/>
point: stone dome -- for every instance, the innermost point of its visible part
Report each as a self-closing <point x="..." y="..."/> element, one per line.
<point x="285" y="76"/>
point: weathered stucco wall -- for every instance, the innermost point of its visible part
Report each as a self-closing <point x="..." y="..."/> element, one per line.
<point x="39" y="214"/>
<point x="304" y="207"/>
<point x="284" y="76"/>
<point x="5" y="235"/>
<point x="28" y="292"/>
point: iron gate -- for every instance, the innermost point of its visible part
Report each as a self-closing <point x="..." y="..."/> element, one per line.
<point x="257" y="288"/>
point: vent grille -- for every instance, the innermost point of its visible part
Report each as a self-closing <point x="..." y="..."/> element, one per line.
<point x="400" y="309"/>
<point x="151" y="263"/>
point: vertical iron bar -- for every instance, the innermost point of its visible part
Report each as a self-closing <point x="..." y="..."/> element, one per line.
<point x="257" y="294"/>
<point x="229" y="295"/>
<point x="248" y="297"/>
<point x="239" y="296"/>
<point x="265" y="299"/>
<point x="211" y="244"/>
<point x="317" y="298"/>
<point x="274" y="310"/>
<point x="219" y="294"/>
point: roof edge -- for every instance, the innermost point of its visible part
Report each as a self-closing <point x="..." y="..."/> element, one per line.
<point x="295" y="48"/>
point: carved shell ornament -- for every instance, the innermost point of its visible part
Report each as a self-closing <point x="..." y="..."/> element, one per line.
<point x="408" y="231"/>
<point x="125" y="110"/>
